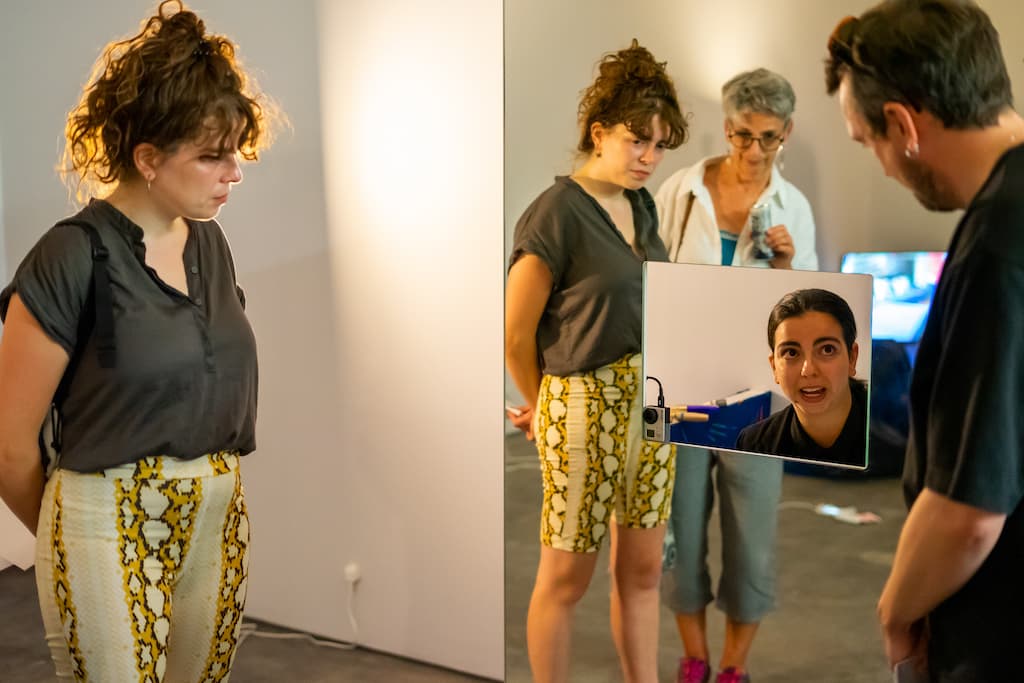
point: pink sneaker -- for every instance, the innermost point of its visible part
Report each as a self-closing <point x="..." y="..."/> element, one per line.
<point x="693" y="670"/>
<point x="731" y="675"/>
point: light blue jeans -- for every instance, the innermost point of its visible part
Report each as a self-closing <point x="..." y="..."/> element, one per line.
<point x="749" y="487"/>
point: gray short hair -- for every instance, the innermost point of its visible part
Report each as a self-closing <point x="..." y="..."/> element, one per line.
<point x="761" y="91"/>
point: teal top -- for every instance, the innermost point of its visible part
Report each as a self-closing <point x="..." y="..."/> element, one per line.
<point x="728" y="246"/>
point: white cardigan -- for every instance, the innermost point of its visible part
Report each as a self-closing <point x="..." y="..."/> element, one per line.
<point x="702" y="242"/>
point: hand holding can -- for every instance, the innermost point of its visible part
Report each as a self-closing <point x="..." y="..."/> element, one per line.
<point x="760" y="221"/>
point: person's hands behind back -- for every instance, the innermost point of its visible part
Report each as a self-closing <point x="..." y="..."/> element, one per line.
<point x="523" y="421"/>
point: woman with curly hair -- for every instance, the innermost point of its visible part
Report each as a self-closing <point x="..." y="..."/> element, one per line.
<point x="572" y="346"/>
<point x="126" y="320"/>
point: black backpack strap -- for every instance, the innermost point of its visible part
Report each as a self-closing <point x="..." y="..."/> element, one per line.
<point x="104" y="300"/>
<point x="96" y="319"/>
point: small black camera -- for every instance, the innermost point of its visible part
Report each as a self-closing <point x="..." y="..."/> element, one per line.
<point x="656" y="426"/>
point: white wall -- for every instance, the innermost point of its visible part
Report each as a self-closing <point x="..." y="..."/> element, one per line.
<point x="367" y="242"/>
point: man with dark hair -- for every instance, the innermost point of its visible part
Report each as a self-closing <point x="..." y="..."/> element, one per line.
<point x="922" y="83"/>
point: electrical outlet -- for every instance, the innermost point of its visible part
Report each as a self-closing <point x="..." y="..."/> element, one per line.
<point x="352" y="572"/>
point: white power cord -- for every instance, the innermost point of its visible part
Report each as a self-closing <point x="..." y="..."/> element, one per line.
<point x="352" y="614"/>
<point x="252" y="630"/>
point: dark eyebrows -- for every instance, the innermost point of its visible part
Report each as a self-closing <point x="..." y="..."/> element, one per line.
<point x="817" y="342"/>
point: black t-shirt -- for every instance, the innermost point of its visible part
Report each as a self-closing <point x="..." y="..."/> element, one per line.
<point x="967" y="423"/>
<point x="593" y="314"/>
<point x="185" y="379"/>
<point x="782" y="434"/>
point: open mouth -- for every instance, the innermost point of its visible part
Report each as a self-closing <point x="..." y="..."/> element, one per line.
<point x="813" y="394"/>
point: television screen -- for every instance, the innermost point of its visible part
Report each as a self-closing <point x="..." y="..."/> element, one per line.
<point x="904" y="283"/>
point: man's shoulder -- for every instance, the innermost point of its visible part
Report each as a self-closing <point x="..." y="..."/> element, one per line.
<point x="993" y="226"/>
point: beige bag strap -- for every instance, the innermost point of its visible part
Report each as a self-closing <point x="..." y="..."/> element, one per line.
<point x="682" y="228"/>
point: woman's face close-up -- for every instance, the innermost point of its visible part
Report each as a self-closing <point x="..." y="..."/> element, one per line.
<point x="195" y="178"/>
<point x="743" y="129"/>
<point x="628" y="158"/>
<point x="812" y="364"/>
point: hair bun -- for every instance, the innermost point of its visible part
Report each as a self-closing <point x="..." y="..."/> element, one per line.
<point x="639" y="64"/>
<point x="630" y="88"/>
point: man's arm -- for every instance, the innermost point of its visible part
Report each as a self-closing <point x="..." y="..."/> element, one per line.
<point x="940" y="548"/>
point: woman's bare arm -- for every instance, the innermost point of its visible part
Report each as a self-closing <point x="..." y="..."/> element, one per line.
<point x="31" y="365"/>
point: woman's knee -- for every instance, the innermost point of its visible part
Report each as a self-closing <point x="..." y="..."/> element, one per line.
<point x="565" y="579"/>
<point x="637" y="573"/>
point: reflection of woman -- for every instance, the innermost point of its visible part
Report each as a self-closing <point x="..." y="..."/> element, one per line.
<point x="704" y="214"/>
<point x="811" y="333"/>
<point x="142" y="533"/>
<point x="573" y="302"/>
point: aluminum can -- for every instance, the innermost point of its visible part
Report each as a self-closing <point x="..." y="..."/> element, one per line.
<point x="760" y="221"/>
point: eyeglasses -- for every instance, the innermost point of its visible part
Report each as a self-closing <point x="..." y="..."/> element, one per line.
<point x="769" y="141"/>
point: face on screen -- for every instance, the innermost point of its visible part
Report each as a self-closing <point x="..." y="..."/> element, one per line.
<point x="812" y="365"/>
<point x="708" y="354"/>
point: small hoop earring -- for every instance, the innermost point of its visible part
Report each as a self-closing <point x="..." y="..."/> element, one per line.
<point x="149" y="185"/>
<point x="597" y="154"/>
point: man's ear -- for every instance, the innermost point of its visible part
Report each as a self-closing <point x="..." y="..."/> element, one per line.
<point x="900" y="125"/>
<point x="147" y="159"/>
<point x="771" y="362"/>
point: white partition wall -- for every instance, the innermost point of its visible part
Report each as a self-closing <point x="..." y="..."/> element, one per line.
<point x="369" y="244"/>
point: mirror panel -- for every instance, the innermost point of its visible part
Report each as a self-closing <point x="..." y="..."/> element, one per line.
<point x="713" y="380"/>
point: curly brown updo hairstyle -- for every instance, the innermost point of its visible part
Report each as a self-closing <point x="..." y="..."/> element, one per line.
<point x="170" y="83"/>
<point x="631" y="87"/>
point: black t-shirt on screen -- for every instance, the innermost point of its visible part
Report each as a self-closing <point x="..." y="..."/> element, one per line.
<point x="782" y="434"/>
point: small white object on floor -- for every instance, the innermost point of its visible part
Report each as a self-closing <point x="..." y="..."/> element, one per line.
<point x="849" y="515"/>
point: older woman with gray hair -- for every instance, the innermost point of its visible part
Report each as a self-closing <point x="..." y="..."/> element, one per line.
<point x="705" y="216"/>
